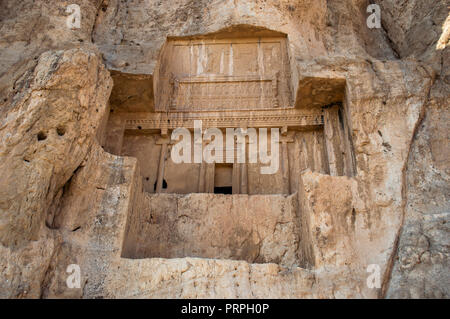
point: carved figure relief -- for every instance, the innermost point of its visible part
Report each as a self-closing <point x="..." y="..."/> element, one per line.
<point x="239" y="74"/>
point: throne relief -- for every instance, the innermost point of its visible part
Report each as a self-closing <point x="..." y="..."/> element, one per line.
<point x="217" y="92"/>
<point x="225" y="74"/>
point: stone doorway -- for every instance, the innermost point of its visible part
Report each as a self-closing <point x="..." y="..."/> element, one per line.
<point x="223" y="179"/>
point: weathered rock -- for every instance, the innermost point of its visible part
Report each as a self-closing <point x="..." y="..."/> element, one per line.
<point x="422" y="262"/>
<point x="261" y="229"/>
<point x="56" y="114"/>
<point x="64" y="200"/>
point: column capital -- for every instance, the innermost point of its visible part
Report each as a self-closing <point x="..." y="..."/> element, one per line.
<point x="163" y="140"/>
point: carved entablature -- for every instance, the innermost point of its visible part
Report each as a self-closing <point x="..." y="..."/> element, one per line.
<point x="293" y="118"/>
<point x="223" y="74"/>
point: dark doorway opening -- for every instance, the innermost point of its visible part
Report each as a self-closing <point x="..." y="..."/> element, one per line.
<point x="164" y="185"/>
<point x="223" y="190"/>
<point x="223" y="178"/>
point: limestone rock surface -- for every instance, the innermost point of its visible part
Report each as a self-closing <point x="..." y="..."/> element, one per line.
<point x="65" y="200"/>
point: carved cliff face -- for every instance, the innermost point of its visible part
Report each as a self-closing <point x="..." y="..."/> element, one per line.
<point x="85" y="176"/>
<point x="229" y="84"/>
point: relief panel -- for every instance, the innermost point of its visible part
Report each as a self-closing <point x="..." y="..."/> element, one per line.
<point x="207" y="75"/>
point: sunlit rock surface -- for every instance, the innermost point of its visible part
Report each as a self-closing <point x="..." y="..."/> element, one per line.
<point x="367" y="186"/>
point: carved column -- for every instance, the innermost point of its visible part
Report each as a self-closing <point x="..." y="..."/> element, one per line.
<point x="243" y="173"/>
<point x="206" y="175"/>
<point x="202" y="174"/>
<point x="243" y="169"/>
<point x="236" y="174"/>
<point x="163" y="141"/>
<point x="285" y="138"/>
<point x="209" y="177"/>
<point x="201" y="178"/>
